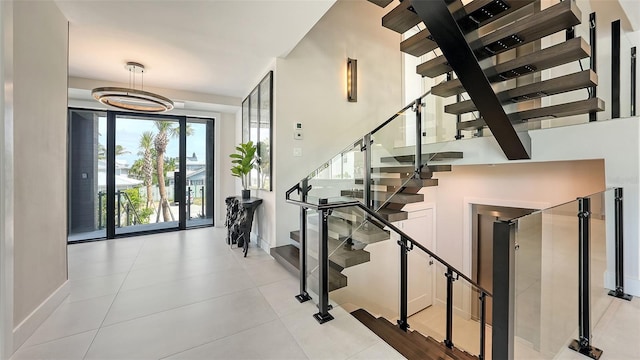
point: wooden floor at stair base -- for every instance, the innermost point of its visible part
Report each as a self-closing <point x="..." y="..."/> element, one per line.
<point x="410" y="344"/>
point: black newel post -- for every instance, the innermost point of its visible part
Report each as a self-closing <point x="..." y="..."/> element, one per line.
<point x="503" y="322"/>
<point x="403" y="284"/>
<point x="323" y="265"/>
<point x="583" y="343"/>
<point x="303" y="296"/>
<point x="448" y="341"/>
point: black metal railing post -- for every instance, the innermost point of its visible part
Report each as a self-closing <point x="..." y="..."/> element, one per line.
<point x="303" y="295"/>
<point x="323" y="265"/>
<point x="583" y="343"/>
<point x="483" y="322"/>
<point x="366" y="145"/>
<point x="118" y="205"/>
<point x="615" y="69"/>
<point x="503" y="321"/>
<point x="404" y="249"/>
<point x="619" y="291"/>
<point x="418" y="156"/>
<point x="100" y="210"/>
<point x="202" y="202"/>
<point x="189" y="203"/>
<point x="128" y="216"/>
<point x="448" y="340"/>
<point x="593" y="64"/>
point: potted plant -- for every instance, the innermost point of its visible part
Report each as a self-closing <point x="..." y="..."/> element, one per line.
<point x="244" y="159"/>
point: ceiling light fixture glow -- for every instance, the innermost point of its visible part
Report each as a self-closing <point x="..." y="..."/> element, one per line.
<point x="131" y="98"/>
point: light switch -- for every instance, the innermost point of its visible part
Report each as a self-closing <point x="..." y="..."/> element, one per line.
<point x="297" y="134"/>
<point x="297" y="152"/>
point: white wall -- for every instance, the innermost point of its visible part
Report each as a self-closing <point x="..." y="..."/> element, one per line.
<point x="310" y="87"/>
<point x="40" y="162"/>
<point x="614" y="141"/>
<point x="225" y="145"/>
<point x="6" y="179"/>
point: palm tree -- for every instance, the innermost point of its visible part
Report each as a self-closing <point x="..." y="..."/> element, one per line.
<point x="102" y="150"/>
<point x="146" y="149"/>
<point x="166" y="130"/>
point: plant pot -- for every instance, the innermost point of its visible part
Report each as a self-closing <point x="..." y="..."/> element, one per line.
<point x="246" y="194"/>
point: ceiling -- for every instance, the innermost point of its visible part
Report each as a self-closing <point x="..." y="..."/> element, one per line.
<point x="220" y="47"/>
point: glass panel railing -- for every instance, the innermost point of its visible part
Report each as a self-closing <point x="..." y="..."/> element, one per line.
<point x="358" y="248"/>
<point x="602" y="221"/>
<point x="365" y="257"/>
<point x="547" y="268"/>
<point x="546" y="280"/>
<point x="338" y="178"/>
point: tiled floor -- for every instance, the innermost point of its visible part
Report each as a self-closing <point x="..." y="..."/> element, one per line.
<point x="187" y="295"/>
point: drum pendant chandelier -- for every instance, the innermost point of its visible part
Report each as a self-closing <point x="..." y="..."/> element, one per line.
<point x="131" y="98"/>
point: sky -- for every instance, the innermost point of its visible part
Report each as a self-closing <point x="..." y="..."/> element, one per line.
<point x="129" y="131"/>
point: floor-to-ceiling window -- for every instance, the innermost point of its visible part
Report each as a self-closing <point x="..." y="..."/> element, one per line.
<point x="137" y="173"/>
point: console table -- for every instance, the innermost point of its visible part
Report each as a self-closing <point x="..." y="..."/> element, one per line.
<point x="249" y="205"/>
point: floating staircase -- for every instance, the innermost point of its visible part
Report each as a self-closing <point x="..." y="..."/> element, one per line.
<point x="520" y="24"/>
<point x="411" y="344"/>
<point x="393" y="186"/>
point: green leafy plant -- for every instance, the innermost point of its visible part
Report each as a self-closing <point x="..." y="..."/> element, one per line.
<point x="244" y="159"/>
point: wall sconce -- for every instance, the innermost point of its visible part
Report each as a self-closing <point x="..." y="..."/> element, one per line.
<point x="352" y="80"/>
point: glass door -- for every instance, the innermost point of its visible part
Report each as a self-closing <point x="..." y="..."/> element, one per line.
<point x="138" y="173"/>
<point x="199" y="172"/>
<point x="145" y="172"/>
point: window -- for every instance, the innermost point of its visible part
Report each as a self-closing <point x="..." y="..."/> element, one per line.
<point x="257" y="126"/>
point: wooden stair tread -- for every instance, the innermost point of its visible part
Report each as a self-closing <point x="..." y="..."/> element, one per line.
<point x="410" y="344"/>
<point x="404" y="169"/>
<point x="289" y="257"/>
<point x="364" y="234"/>
<point x="421" y="43"/>
<point x="445" y="155"/>
<point x="391" y="215"/>
<point x="384" y="196"/>
<point x="523" y="31"/>
<point x="401" y="18"/>
<point x="554" y="111"/>
<point x="471" y="16"/>
<point x="567" y="51"/>
<point x="392" y="336"/>
<point x="381" y="3"/>
<point x="339" y="254"/>
<point x="566" y="83"/>
<point x="401" y="182"/>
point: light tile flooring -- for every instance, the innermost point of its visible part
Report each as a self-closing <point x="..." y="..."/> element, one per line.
<point x="187" y="295"/>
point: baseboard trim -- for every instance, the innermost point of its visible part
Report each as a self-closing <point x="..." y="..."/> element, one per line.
<point x="29" y="325"/>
